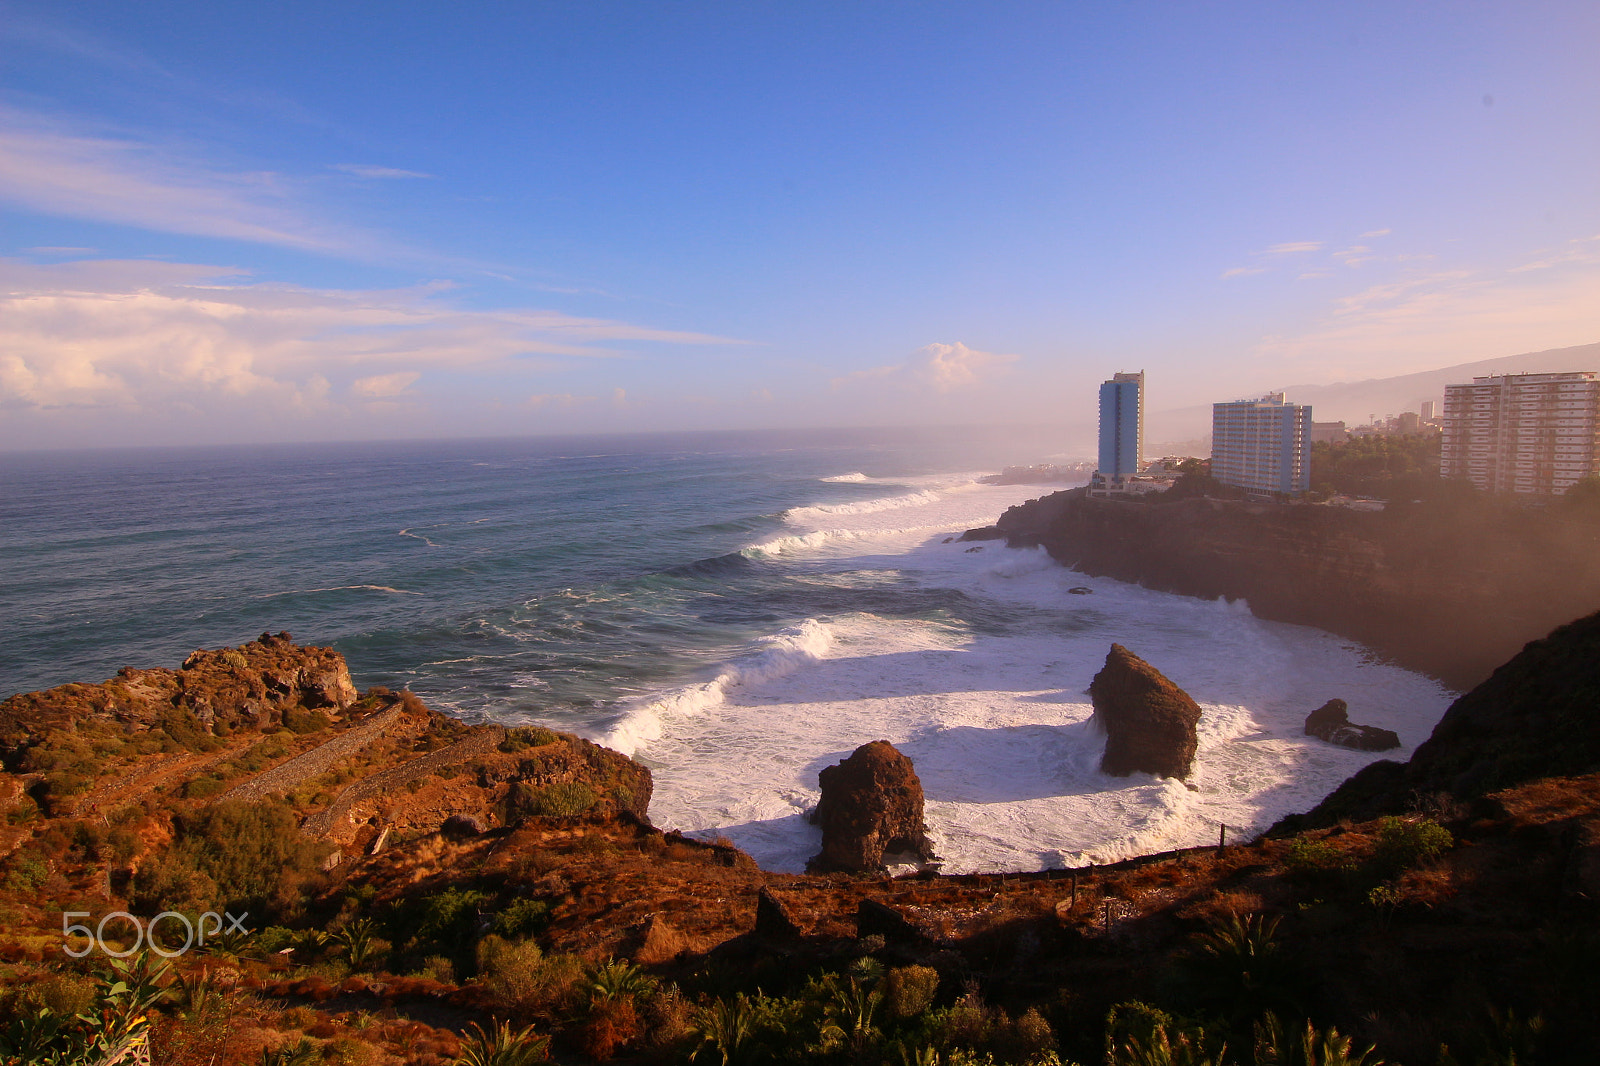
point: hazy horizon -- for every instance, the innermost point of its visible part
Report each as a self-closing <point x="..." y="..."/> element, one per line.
<point x="309" y="224"/>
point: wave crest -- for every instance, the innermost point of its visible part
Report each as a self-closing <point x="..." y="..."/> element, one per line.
<point x="782" y="653"/>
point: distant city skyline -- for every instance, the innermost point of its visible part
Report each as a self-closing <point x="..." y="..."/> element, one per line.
<point x="243" y="223"/>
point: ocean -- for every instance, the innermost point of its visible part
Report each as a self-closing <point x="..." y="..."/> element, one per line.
<point x="735" y="610"/>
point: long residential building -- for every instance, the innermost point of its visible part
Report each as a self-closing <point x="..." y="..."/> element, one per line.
<point x="1537" y="434"/>
<point x="1262" y="446"/>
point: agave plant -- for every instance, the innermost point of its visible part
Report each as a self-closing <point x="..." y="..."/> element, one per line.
<point x="503" y="1046"/>
<point x="304" y="1053"/>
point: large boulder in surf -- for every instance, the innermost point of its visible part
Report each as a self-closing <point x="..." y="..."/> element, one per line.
<point x="871" y="805"/>
<point x="1331" y="722"/>
<point x="1149" y="722"/>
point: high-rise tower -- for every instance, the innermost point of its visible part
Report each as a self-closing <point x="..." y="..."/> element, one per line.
<point x="1121" y="432"/>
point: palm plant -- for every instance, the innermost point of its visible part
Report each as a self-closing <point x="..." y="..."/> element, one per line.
<point x="727" y="1026"/>
<point x="357" y="940"/>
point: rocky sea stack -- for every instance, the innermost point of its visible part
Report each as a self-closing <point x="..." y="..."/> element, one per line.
<point x="1331" y="722"/>
<point x="1149" y="721"/>
<point x="871" y="805"/>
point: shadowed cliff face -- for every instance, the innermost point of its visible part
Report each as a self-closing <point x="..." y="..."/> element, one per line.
<point x="1149" y="721"/>
<point x="1451" y="589"/>
<point x="1538" y="716"/>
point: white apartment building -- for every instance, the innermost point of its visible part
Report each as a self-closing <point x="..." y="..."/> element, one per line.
<point x="1528" y="433"/>
<point x="1262" y="446"/>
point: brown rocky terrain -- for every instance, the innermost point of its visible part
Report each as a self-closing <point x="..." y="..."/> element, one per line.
<point x="1460" y="911"/>
<point x="870" y="805"/>
<point x="1149" y="722"/>
<point x="1451" y="588"/>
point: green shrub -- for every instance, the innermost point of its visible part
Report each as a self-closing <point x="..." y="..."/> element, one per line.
<point x="202" y="787"/>
<point x="525" y="917"/>
<point x="245" y="856"/>
<point x="909" y="990"/>
<point x="1403" y="845"/>
<point x="519" y="738"/>
<point x="298" y="720"/>
<point x="564" y="799"/>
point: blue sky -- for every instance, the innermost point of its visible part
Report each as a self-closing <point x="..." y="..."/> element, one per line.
<point x="307" y="221"/>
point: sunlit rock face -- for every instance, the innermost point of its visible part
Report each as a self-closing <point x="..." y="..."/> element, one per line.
<point x="871" y="805"/>
<point x="257" y="685"/>
<point x="1149" y="722"/>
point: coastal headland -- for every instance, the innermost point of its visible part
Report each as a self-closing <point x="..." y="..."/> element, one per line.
<point x="1451" y="588"/>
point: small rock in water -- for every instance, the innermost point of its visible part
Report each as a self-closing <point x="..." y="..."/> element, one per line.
<point x="1331" y="722"/>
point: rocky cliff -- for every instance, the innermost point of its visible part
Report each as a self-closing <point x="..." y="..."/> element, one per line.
<point x="1451" y="588"/>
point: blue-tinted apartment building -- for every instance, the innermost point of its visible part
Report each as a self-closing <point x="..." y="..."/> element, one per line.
<point x="1262" y="446"/>
<point x="1121" y="432"/>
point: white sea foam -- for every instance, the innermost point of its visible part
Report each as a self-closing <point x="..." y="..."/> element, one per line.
<point x="887" y="503"/>
<point x="774" y="657"/>
<point x="853" y="476"/>
<point x="345" y="588"/>
<point x="996" y="717"/>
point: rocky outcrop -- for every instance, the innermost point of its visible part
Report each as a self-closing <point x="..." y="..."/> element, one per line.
<point x="1149" y="722"/>
<point x="1331" y="722"/>
<point x="270" y="681"/>
<point x="871" y="805"/>
<point x="492" y="777"/>
<point x="1534" y="718"/>
<point x="1451" y="588"/>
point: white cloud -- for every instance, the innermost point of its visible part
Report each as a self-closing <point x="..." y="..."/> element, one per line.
<point x="940" y="367"/>
<point x="379" y="385"/>
<point x="157" y="338"/>
<point x="1293" y="247"/>
<point x="1376" y="233"/>
<point x="363" y="171"/>
<point x="1240" y="272"/>
<point x="47" y="168"/>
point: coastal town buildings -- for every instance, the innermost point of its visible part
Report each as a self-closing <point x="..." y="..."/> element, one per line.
<point x="1262" y="446"/>
<point x="1537" y="434"/>
<point x="1121" y="433"/>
